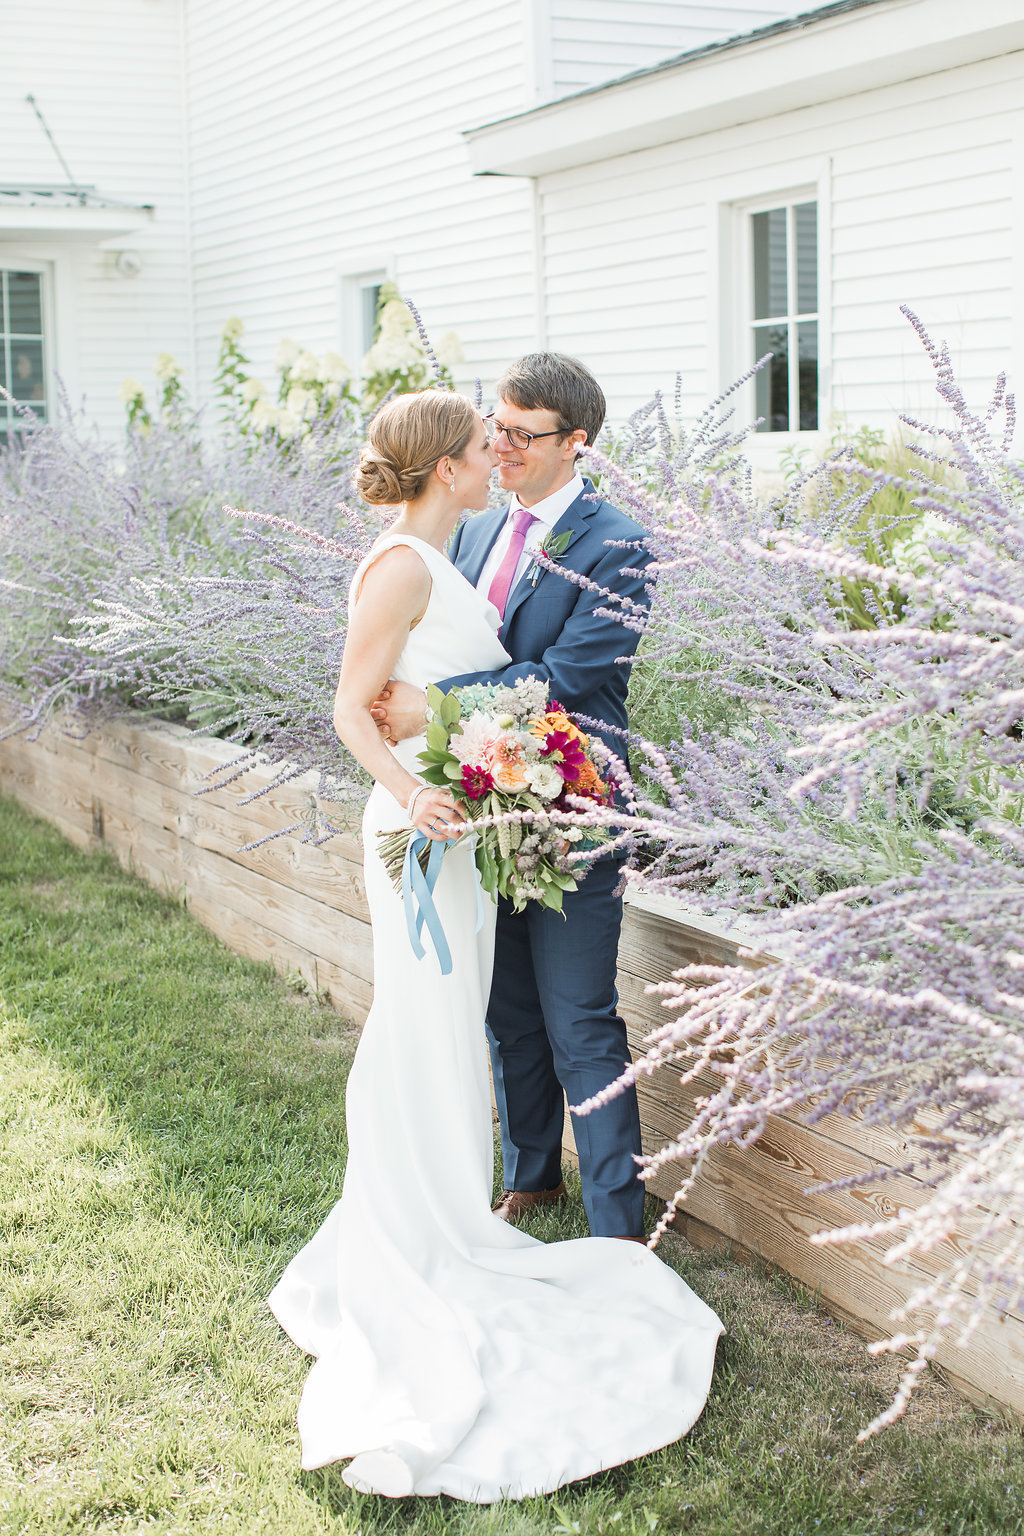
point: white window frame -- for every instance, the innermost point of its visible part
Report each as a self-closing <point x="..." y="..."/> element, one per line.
<point x="356" y="278"/>
<point x="10" y="261"/>
<point x="731" y="297"/>
<point x="791" y="319"/>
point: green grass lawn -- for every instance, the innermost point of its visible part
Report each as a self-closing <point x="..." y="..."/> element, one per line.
<point x="173" y="1130"/>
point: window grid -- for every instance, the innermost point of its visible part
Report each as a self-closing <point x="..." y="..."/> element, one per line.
<point x="796" y="323"/>
<point x="33" y="394"/>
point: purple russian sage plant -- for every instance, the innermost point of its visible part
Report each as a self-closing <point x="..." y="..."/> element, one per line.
<point x="127" y="588"/>
<point x="857" y="791"/>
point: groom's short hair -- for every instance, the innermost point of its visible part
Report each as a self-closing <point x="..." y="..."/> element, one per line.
<point x="554" y="381"/>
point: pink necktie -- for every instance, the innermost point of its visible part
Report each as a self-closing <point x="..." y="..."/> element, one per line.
<point x="504" y="576"/>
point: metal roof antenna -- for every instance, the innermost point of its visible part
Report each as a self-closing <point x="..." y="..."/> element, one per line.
<point x="72" y="183"/>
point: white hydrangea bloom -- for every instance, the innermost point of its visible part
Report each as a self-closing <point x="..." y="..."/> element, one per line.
<point x="289" y="423"/>
<point x="305" y="369"/>
<point x="301" y="402"/>
<point x="253" y="390"/>
<point x="232" y="329"/>
<point x="397" y="346"/>
<point x="167" y="368"/>
<point x="544" y="779"/>
<point x="130" y="391"/>
<point x="287" y="352"/>
<point x="333" y="369"/>
<point x="265" y="416"/>
<point x="449" y="350"/>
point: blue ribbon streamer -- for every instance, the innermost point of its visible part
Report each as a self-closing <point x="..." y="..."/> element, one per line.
<point x="418" y="897"/>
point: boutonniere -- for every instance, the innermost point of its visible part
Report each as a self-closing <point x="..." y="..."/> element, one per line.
<point x="552" y="548"/>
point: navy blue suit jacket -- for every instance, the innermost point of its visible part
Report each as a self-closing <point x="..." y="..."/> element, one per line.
<point x="552" y="628"/>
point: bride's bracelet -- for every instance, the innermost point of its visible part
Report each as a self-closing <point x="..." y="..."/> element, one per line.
<point x="413" y="798"/>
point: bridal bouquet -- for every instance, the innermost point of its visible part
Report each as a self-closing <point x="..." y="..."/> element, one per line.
<point x="503" y="750"/>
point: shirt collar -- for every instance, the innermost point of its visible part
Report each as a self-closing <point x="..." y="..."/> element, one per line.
<point x="551" y="508"/>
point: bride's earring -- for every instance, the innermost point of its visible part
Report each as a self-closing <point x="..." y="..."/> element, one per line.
<point x="452" y="485"/>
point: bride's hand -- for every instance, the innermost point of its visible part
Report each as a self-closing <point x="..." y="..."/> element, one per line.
<point x="437" y="815"/>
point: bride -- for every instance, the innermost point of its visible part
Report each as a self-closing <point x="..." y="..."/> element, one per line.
<point x="454" y="1353"/>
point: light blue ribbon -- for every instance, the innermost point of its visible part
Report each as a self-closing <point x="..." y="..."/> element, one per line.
<point x="418" y="897"/>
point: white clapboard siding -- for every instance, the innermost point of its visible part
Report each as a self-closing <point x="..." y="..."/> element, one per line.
<point x="918" y="188"/>
<point x="108" y="78"/>
<point x="595" y="40"/>
<point x="325" y="139"/>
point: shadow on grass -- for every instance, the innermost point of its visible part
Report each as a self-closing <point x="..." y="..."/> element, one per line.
<point x="233" y="1089"/>
<point x="231" y="1084"/>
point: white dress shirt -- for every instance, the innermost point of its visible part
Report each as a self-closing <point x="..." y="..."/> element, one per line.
<point x="547" y="513"/>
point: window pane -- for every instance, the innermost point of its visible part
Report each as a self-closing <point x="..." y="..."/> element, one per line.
<point x="370" y="296"/>
<point x="769" y="231"/>
<point x="807" y="379"/>
<point x="24" y="290"/>
<point x="28" y="381"/>
<point x="772" y="382"/>
<point x="806" y="258"/>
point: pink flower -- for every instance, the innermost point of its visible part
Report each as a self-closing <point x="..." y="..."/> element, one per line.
<point x="474" y="742"/>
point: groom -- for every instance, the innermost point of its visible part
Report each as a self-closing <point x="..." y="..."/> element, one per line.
<point x="552" y="1023"/>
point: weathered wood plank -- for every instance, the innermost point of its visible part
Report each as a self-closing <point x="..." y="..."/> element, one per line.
<point x="325" y="873"/>
<point x="349" y="993"/>
<point x="853" y="1277"/>
<point x="172" y="756"/>
<point x="330" y="935"/>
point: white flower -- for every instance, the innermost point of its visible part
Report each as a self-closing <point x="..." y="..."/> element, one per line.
<point x="449" y="350"/>
<point x="253" y="390"/>
<point x="301" y="402"/>
<point x="265" y="416"/>
<point x="167" y="368"/>
<point x="232" y="329"/>
<point x="287" y="352"/>
<point x="473" y="743"/>
<point x="397" y="347"/>
<point x="130" y="391"/>
<point x="304" y="369"/>
<point x="289" y="424"/>
<point x="544" y="779"/>
<point x="333" y="369"/>
<point x="572" y="834"/>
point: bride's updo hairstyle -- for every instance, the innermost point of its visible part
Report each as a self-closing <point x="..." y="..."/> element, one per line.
<point x="407" y="437"/>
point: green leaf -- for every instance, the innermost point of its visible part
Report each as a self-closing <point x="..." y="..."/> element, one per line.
<point x="435" y="698"/>
<point x="452" y="769"/>
<point x="437" y="736"/>
<point x="449" y="711"/>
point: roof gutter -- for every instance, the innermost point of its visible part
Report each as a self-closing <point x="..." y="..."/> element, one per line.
<point x="840" y="50"/>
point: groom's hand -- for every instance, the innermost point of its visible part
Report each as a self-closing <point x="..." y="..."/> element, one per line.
<point x="400" y="711"/>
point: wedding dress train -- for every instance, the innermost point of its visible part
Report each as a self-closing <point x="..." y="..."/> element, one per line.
<point x="454" y="1353"/>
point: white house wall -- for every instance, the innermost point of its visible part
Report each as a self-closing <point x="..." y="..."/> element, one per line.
<point x="918" y="206"/>
<point x="325" y="139"/>
<point x="595" y="40"/>
<point x="108" y="79"/>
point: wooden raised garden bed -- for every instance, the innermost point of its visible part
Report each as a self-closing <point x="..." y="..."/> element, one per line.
<point x="131" y="787"/>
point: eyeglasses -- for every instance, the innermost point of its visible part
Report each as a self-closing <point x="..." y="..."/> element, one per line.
<point x="517" y="437"/>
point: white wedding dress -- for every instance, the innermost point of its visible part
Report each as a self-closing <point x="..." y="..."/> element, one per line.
<point x="454" y="1353"/>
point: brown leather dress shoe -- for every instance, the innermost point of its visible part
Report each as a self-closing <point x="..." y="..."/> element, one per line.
<point x="516" y="1202"/>
<point x="623" y="1237"/>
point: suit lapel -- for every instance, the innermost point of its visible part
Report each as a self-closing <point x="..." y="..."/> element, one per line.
<point x="572" y="521"/>
<point x="477" y="540"/>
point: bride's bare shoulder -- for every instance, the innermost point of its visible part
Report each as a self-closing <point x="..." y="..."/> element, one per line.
<point x="394" y="571"/>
